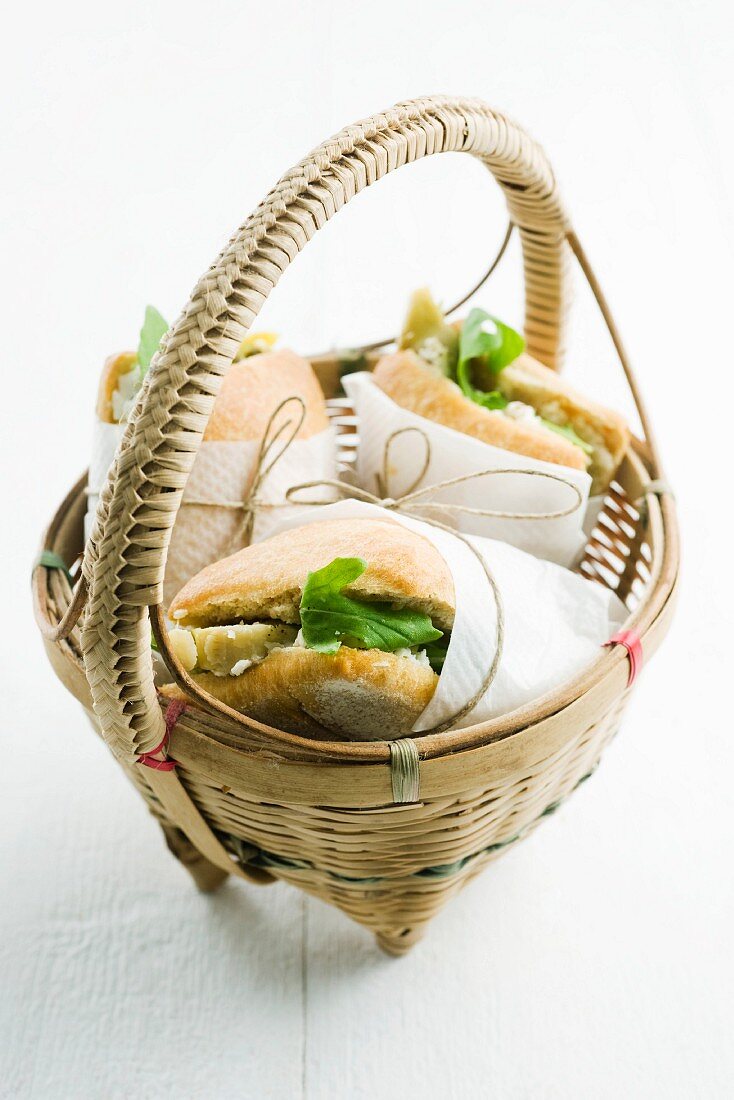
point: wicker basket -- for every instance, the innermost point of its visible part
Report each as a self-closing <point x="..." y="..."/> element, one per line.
<point x="341" y="820"/>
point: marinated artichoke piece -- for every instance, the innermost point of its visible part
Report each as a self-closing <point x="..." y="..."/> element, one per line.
<point x="220" y="649"/>
<point x="184" y="647"/>
<point x="427" y="332"/>
<point x="230" y="649"/>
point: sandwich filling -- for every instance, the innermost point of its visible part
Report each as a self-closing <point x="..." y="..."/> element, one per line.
<point x="473" y="356"/>
<point x="127" y="382"/>
<point x="328" y="620"/>
<point x="124" y="394"/>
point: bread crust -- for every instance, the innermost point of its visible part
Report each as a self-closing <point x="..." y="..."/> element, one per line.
<point x="265" y="580"/>
<point x="355" y="694"/>
<point x="253" y="388"/>
<point x="403" y="378"/>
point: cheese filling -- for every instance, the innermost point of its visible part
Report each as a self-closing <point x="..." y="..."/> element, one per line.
<point x="518" y="410"/>
<point x="436" y="355"/>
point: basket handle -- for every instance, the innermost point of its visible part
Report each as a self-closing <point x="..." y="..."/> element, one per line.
<point x="125" y="558"/>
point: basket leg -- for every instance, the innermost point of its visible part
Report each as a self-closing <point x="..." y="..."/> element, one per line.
<point x="399" y="941"/>
<point x="206" y="876"/>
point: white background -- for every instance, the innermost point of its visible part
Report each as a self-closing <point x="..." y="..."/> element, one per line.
<point x="593" y="961"/>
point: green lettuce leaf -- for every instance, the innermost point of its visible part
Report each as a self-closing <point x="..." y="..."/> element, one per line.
<point x="154" y="329"/>
<point x="486" y="338"/>
<point x="488" y="399"/>
<point x="567" y="431"/>
<point x="329" y="618"/>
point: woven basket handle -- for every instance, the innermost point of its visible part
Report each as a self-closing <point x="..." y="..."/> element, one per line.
<point x="126" y="556"/>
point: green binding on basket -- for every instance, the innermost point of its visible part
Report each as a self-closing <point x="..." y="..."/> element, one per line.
<point x="251" y="856"/>
<point x="49" y="560"/>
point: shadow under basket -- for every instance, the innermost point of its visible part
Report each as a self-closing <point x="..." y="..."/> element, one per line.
<point x="344" y="821"/>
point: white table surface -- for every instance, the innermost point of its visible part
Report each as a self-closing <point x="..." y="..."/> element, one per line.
<point x="595" y="959"/>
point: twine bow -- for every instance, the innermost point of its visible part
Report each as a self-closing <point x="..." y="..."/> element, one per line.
<point x="413" y="499"/>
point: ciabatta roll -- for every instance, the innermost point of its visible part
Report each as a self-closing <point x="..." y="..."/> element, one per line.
<point x="240" y="632"/>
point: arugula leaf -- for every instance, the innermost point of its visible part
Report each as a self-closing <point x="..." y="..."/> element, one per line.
<point x="154" y="329"/>
<point x="488" y="399"/>
<point x="328" y="618"/>
<point x="567" y="431"/>
<point x="487" y="338"/>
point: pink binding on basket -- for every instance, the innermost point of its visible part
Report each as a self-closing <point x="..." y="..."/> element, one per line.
<point x="174" y="710"/>
<point x="631" y="641"/>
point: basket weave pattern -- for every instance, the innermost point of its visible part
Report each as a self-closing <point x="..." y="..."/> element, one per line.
<point x="393" y="869"/>
<point x="324" y="816"/>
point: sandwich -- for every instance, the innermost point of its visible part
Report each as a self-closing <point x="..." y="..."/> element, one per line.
<point x="336" y="629"/>
<point x="226" y="464"/>
<point x="476" y="378"/>
<point x="258" y="381"/>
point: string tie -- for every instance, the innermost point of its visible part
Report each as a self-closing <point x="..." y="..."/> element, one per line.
<point x="273" y="445"/>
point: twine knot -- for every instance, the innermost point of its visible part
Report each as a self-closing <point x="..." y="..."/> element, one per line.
<point x="273" y="445"/>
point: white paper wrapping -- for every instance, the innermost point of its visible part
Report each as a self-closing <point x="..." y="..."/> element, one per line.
<point x="452" y="454"/>
<point x="555" y="621"/>
<point x="105" y="438"/>
<point x="222" y="471"/>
